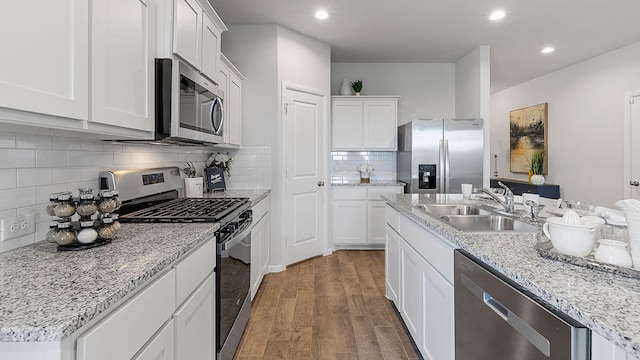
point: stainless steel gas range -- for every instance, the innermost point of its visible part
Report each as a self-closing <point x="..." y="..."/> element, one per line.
<point x="152" y="196"/>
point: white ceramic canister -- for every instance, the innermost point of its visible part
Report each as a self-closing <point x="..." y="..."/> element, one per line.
<point x="345" y="88"/>
<point x="613" y="252"/>
<point x="193" y="187"/>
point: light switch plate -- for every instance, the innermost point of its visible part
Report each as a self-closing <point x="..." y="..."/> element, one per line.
<point x="11" y="228"/>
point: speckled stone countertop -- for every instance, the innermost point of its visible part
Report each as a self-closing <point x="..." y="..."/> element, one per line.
<point x="46" y="295"/>
<point x="254" y="195"/>
<point x="608" y="304"/>
<point x="372" y="183"/>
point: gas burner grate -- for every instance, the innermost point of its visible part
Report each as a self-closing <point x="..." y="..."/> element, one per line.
<point x="187" y="210"/>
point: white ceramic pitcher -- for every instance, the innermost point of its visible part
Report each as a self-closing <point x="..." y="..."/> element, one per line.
<point x="631" y="209"/>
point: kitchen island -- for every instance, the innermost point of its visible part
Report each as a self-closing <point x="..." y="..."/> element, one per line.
<point x="608" y="304"/>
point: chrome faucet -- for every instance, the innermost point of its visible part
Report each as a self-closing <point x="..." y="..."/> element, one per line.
<point x="508" y="195"/>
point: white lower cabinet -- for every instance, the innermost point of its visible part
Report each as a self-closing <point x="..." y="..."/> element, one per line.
<point x="418" y="266"/>
<point x="171" y="318"/>
<point x="195" y="324"/>
<point x="161" y="347"/>
<point x="437" y="315"/>
<point x="392" y="264"/>
<point x="125" y="331"/>
<point x="358" y="214"/>
<point x="259" y="243"/>
<point x="603" y="349"/>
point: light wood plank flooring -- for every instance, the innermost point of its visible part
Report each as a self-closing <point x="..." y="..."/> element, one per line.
<point x="329" y="307"/>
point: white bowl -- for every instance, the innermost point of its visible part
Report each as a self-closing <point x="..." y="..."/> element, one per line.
<point x="613" y="252"/>
<point x="574" y="240"/>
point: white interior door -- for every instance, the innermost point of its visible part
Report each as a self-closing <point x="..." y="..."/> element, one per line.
<point x="632" y="146"/>
<point x="304" y="174"/>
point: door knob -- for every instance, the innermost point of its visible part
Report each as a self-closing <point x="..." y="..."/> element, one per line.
<point x="320" y="183"/>
<point x="634" y="183"/>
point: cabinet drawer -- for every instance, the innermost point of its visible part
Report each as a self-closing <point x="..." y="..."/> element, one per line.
<point x="161" y="347"/>
<point x="391" y="216"/>
<point x="435" y="250"/>
<point x="191" y="271"/>
<point x="260" y="209"/>
<point x="376" y="192"/>
<point x="123" y="333"/>
<point x="350" y="193"/>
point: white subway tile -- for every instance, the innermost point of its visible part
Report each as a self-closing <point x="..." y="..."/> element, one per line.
<point x="91" y="145"/>
<point x="8" y="179"/>
<point x="130" y="147"/>
<point x="7" y="140"/>
<point x="29" y="141"/>
<point x="112" y="146"/>
<point x="17" y="158"/>
<point x="34" y="177"/>
<point x="80" y="158"/>
<point x="42" y="192"/>
<point x="90" y="173"/>
<point x="17" y="242"/>
<point x="62" y="143"/>
<point x="8" y="213"/>
<point x="66" y="174"/>
<point x="121" y="158"/>
<point x="15" y="198"/>
<point x="102" y="158"/>
<point x="51" y="158"/>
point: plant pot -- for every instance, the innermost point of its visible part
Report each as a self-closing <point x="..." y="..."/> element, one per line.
<point x="364" y="178"/>
<point x="357" y="93"/>
<point x="537" y="179"/>
<point x="345" y="88"/>
<point x="193" y="187"/>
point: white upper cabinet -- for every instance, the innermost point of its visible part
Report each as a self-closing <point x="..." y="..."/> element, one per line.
<point x="196" y="36"/>
<point x="44" y="68"/>
<point x="122" y="49"/>
<point x="187" y="32"/>
<point x="231" y="83"/>
<point x="364" y="123"/>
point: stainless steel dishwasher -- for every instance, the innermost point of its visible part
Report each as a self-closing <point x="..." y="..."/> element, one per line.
<point x="496" y="320"/>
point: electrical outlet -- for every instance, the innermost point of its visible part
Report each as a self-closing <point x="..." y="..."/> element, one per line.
<point x="11" y="228"/>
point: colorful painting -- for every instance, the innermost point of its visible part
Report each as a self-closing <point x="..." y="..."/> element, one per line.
<point x="528" y="133"/>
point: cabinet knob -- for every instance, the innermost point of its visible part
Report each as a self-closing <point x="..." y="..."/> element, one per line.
<point x="634" y="183"/>
<point x="320" y="183"/>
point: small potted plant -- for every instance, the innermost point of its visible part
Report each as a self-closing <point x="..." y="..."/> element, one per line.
<point x="365" y="172"/>
<point x="536" y="164"/>
<point x="193" y="185"/>
<point x="357" y="87"/>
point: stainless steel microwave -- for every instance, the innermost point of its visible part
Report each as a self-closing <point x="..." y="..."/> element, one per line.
<point x="188" y="106"/>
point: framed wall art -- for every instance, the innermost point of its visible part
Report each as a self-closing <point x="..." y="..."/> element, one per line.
<point x="527" y="134"/>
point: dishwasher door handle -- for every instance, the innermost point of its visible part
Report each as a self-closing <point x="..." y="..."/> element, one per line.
<point x="532" y="335"/>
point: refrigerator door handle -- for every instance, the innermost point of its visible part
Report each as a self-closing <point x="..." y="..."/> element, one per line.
<point x="443" y="174"/>
<point x="446" y="166"/>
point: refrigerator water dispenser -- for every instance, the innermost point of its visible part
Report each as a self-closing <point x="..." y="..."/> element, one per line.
<point x="427" y="176"/>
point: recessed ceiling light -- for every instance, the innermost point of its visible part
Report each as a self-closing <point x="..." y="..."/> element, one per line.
<point x="497" y="15"/>
<point x="547" y="50"/>
<point x="321" y="14"/>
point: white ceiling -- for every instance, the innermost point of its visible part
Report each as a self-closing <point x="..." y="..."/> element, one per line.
<point x="432" y="31"/>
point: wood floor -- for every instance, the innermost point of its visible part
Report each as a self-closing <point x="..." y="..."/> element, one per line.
<point x="329" y="307"/>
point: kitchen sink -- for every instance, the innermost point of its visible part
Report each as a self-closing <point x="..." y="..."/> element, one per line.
<point x="451" y="209"/>
<point x="487" y="223"/>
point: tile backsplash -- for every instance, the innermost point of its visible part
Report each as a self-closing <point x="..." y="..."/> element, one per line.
<point x="345" y="163"/>
<point x="33" y="166"/>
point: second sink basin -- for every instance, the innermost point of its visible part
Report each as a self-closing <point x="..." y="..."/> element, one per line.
<point x="487" y="223"/>
<point x="451" y="209"/>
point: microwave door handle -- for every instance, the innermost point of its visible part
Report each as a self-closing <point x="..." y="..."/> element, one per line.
<point x="216" y="102"/>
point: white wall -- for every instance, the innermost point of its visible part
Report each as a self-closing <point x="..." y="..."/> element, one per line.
<point x="269" y="55"/>
<point x="586" y="114"/>
<point x="472" y="93"/>
<point x="426" y="90"/>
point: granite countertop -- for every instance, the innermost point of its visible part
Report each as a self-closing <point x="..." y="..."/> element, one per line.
<point x="254" y="195"/>
<point x="608" y="304"/>
<point x="47" y="295"/>
<point x="372" y="183"/>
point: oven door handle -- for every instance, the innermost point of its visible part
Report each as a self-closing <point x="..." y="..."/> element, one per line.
<point x="236" y="238"/>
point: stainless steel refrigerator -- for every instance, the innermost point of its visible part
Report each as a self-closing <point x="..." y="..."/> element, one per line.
<point x="437" y="155"/>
